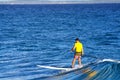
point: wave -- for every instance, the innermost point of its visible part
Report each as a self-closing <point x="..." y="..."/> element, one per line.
<point x="106" y="69"/>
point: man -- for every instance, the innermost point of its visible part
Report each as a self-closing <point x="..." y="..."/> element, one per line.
<point x="78" y="48"/>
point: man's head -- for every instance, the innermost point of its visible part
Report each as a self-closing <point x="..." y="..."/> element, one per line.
<point x="77" y="39"/>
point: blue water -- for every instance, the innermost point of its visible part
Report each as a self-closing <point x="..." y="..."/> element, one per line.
<point x="32" y="35"/>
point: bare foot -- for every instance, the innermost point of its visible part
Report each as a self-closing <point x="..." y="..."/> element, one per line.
<point x="72" y="66"/>
<point x="80" y="66"/>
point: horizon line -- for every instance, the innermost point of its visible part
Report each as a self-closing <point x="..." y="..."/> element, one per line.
<point x="56" y="2"/>
<point x="59" y="2"/>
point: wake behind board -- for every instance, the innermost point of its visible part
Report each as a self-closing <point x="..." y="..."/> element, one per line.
<point x="58" y="68"/>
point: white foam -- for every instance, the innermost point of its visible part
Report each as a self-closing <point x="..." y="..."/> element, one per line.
<point x="109" y="60"/>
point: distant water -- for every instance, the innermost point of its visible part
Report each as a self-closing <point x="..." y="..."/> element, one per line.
<point x="44" y="34"/>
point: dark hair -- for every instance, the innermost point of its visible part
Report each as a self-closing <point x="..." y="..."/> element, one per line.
<point x="77" y="39"/>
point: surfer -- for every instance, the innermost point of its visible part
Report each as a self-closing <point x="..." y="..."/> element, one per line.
<point x="78" y="48"/>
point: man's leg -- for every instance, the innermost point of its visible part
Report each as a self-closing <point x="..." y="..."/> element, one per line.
<point x="79" y="60"/>
<point x="73" y="62"/>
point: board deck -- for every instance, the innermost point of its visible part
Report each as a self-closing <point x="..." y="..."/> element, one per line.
<point x="58" y="68"/>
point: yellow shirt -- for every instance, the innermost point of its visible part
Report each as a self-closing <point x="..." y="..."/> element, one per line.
<point x="78" y="47"/>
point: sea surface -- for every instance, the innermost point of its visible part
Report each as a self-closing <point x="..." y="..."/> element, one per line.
<point x="32" y="35"/>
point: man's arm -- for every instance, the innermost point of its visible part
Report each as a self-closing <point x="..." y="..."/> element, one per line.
<point x="73" y="48"/>
<point x="82" y="50"/>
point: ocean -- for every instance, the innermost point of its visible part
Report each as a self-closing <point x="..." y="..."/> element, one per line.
<point x="32" y="35"/>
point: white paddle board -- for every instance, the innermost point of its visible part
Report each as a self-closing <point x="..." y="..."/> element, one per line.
<point x="58" y="68"/>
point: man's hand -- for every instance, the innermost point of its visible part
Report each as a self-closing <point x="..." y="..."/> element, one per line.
<point x="71" y="51"/>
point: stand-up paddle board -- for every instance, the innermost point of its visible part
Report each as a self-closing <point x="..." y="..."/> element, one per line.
<point x="58" y="68"/>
